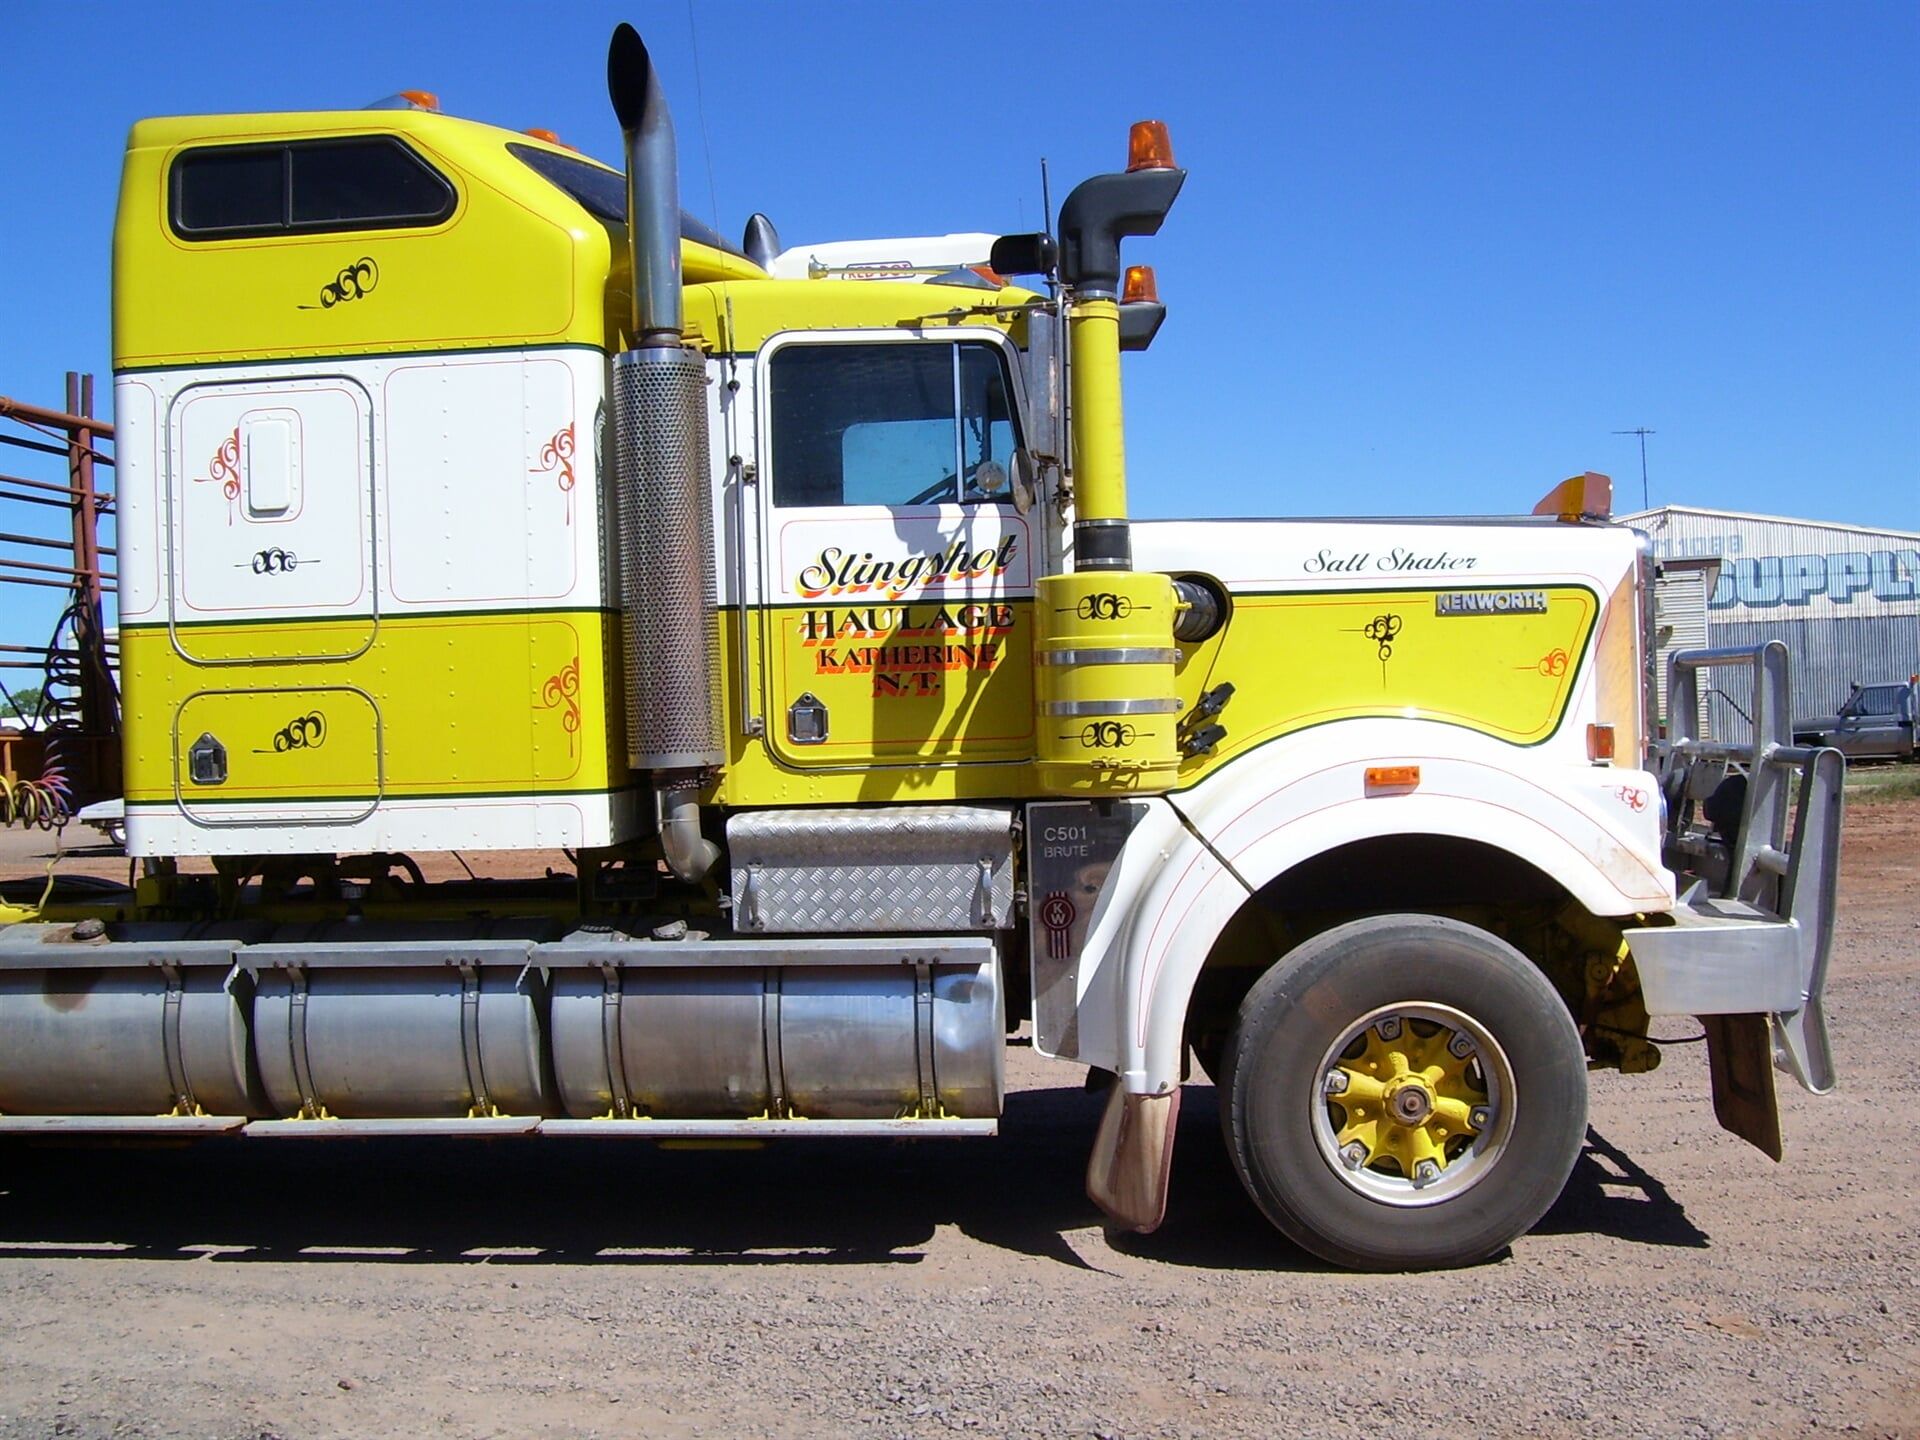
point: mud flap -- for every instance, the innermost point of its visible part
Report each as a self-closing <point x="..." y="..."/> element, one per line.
<point x="1133" y="1158"/>
<point x="1740" y="1057"/>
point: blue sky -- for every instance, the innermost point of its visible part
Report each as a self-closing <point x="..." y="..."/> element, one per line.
<point x="1428" y="257"/>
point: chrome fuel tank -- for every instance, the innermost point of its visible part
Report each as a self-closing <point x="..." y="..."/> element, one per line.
<point x="116" y="1029"/>
<point x="841" y="1029"/>
<point x="414" y="1029"/>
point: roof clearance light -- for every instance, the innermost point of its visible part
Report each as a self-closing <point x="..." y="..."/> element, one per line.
<point x="539" y="133"/>
<point x="407" y="100"/>
<point x="1149" y="147"/>
<point x="1140" y="286"/>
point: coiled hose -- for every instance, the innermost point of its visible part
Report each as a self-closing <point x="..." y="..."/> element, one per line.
<point x="48" y="802"/>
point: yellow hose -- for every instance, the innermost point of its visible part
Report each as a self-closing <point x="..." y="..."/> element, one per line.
<point x="28" y="802"/>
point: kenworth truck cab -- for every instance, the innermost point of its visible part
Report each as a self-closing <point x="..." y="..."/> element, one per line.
<point x="473" y="498"/>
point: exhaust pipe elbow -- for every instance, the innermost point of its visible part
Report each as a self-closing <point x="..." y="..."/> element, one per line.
<point x="690" y="855"/>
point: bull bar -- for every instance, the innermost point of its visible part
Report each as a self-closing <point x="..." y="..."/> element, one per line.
<point x="1753" y="835"/>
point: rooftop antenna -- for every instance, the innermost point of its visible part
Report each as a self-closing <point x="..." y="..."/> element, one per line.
<point x="1642" y="432"/>
<point x="1046" y="217"/>
<point x="700" y="106"/>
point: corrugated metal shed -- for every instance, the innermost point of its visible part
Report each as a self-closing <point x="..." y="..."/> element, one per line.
<point x="1844" y="598"/>
<point x="1680" y="614"/>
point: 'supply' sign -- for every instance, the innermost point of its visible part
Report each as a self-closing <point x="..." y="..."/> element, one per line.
<point x="1761" y="582"/>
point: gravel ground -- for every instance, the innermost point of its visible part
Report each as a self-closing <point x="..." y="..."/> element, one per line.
<point x="1684" y="1285"/>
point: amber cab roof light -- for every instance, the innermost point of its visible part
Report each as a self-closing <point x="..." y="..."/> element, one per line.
<point x="408" y="100"/>
<point x="1580" y="497"/>
<point x="1140" y="285"/>
<point x="1149" y="147"/>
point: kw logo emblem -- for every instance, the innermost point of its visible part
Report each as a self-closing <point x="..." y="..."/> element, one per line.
<point x="1057" y="914"/>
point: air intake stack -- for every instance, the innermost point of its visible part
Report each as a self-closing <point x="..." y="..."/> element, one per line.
<point x="671" y="633"/>
<point x="1109" y="705"/>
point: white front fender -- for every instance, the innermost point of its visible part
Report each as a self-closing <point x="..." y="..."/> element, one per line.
<point x="1594" y="830"/>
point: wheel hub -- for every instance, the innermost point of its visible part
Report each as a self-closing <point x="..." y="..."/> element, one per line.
<point x="1411" y="1103"/>
<point x="1410" y="1097"/>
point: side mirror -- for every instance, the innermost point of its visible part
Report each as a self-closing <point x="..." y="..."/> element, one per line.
<point x="989" y="479"/>
<point x="1032" y="254"/>
<point x="1024" y="490"/>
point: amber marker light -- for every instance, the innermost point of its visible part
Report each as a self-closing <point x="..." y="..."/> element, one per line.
<point x="1599" y="743"/>
<point x="1141" y="286"/>
<point x="1392" y="779"/>
<point x="422" y="99"/>
<point x="1149" y="147"/>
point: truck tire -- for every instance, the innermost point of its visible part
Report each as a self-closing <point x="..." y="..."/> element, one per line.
<point x="1404" y="1092"/>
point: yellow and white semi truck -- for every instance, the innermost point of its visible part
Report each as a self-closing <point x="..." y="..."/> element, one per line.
<point x="473" y="498"/>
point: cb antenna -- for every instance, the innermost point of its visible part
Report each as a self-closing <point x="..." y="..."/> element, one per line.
<point x="1642" y="432"/>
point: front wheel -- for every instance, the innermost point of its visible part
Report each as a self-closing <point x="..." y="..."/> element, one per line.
<point x="1404" y="1093"/>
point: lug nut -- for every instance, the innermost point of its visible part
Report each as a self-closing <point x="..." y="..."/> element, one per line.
<point x="1354" y="1155"/>
<point x="1336" y="1082"/>
<point x="1389" y="1028"/>
<point x="1425" y="1173"/>
<point x="1479" y="1115"/>
<point x="1461" y="1045"/>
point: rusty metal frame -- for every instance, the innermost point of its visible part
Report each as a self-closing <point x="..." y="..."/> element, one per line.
<point x="76" y="563"/>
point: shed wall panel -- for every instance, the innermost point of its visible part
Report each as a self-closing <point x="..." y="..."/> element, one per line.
<point x="1828" y="656"/>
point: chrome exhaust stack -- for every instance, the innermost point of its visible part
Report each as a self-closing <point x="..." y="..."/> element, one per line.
<point x="669" y="602"/>
<point x="653" y="189"/>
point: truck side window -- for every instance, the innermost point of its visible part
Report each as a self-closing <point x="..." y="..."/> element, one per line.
<point x="372" y="182"/>
<point x="890" y="424"/>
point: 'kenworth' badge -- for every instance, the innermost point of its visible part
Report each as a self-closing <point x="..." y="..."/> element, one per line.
<point x="1490" y="602"/>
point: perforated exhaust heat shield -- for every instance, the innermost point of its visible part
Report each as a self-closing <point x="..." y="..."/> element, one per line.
<point x="671" y="624"/>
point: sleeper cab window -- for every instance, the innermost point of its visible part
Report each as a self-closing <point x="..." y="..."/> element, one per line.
<point x="895" y="424"/>
<point x="304" y="187"/>
<point x="602" y="193"/>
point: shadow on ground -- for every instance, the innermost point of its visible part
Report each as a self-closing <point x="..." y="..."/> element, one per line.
<point x="595" y="1202"/>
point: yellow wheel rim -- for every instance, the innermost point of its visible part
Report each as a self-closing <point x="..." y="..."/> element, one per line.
<point x="1414" y="1103"/>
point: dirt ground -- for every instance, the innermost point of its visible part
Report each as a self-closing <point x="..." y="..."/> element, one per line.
<point x="1683" y="1285"/>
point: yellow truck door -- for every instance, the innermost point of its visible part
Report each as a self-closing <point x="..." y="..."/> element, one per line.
<point x="895" y="583"/>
